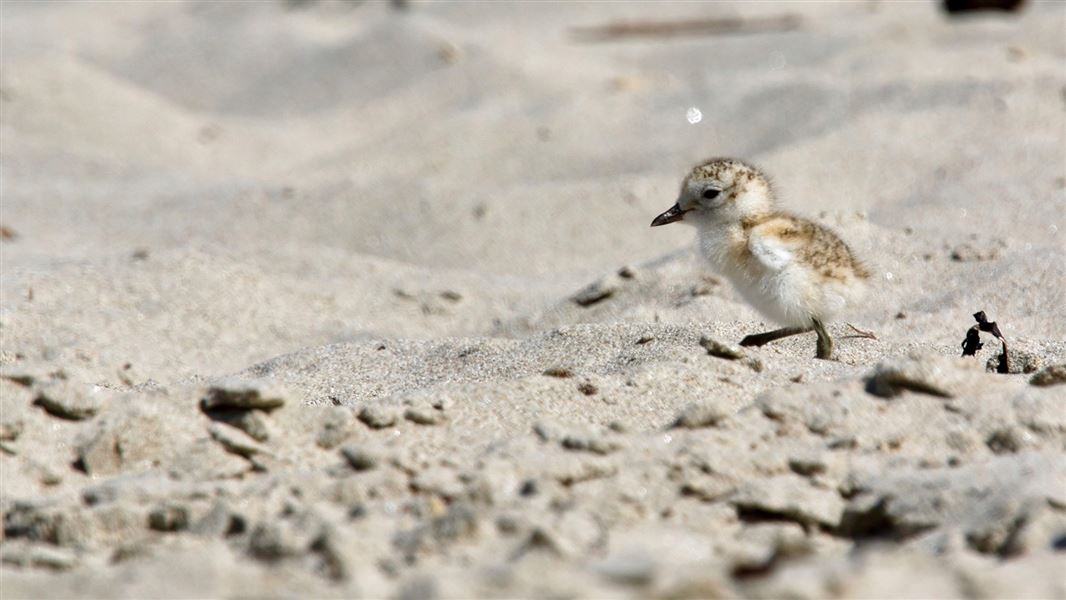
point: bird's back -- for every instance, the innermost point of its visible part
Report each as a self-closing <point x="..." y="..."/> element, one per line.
<point x="793" y="269"/>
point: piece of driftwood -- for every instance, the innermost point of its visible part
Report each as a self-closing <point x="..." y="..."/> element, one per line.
<point x="624" y="30"/>
<point x="972" y="343"/>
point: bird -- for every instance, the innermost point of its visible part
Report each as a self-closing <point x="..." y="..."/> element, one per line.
<point x="795" y="272"/>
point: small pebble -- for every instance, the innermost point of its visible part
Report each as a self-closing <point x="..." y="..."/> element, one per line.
<point x="243" y="394"/>
<point x="560" y="372"/>
<point x="730" y="352"/>
<point x="359" y="458"/>
<point x="1052" y="375"/>
<point x="72" y="401"/>
<point x="701" y="414"/>
<point x="595" y="293"/>
<point x="234" y="440"/>
<point x="424" y="415"/>
<point x="379" y="417"/>
<point x="587" y="388"/>
<point x="253" y="422"/>
<point x="169" y="518"/>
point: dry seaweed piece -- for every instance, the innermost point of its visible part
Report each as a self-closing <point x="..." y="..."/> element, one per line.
<point x="667" y="29"/>
<point x="972" y="343"/>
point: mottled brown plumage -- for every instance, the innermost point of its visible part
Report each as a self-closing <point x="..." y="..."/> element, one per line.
<point x="794" y="271"/>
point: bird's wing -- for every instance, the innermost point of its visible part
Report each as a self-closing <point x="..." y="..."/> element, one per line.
<point x="771" y="246"/>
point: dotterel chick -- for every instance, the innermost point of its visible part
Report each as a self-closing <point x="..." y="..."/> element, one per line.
<point x="795" y="272"/>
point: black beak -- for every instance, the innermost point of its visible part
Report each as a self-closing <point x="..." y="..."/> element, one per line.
<point x="674" y="213"/>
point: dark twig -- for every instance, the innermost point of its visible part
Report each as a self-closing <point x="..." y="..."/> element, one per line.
<point x="664" y="29"/>
<point x="972" y="343"/>
<point x="954" y="7"/>
<point x="861" y="333"/>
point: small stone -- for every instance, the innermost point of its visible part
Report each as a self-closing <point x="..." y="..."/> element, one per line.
<point x="1011" y="439"/>
<point x="573" y="534"/>
<point x="130" y="551"/>
<point x="235" y="440"/>
<point x="590" y="443"/>
<point x="244" y="394"/>
<point x="560" y="372"/>
<point x="701" y="414"/>
<point x="335" y="427"/>
<point x="359" y="458"/>
<point x="169" y="518"/>
<point x="587" y="388"/>
<point x="459" y="523"/>
<point x="438" y="481"/>
<point x="807" y="464"/>
<point x="206" y="459"/>
<point x="722" y="349"/>
<point x="424" y="414"/>
<point x="29" y="374"/>
<point x="549" y="430"/>
<point x="596" y="292"/>
<point x="219" y="521"/>
<point x="706" y="487"/>
<point x="379" y="417"/>
<point x="253" y="422"/>
<point x="576" y="468"/>
<point x="791" y="497"/>
<point x="273" y="540"/>
<point x="730" y="352"/>
<point x="1052" y="375"/>
<point x="128" y="436"/>
<point x="449" y="53"/>
<point x="573" y="437"/>
<point x="11" y="430"/>
<point x="37" y="555"/>
<point x="1018" y="361"/>
<point x="72" y="401"/>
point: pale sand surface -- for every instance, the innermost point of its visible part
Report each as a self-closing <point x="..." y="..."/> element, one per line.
<point x="381" y="220"/>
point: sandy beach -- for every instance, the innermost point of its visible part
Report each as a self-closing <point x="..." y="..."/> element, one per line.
<point x="332" y="299"/>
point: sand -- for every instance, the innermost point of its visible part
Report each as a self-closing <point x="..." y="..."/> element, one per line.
<point x="325" y="299"/>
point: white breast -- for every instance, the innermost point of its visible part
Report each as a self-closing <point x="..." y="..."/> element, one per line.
<point x="766" y="274"/>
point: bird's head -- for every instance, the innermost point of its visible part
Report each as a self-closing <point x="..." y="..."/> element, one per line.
<point x="721" y="190"/>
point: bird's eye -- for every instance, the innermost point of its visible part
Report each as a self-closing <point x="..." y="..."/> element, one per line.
<point x="711" y="193"/>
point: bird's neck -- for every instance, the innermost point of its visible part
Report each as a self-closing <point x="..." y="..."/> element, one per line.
<point x="722" y="242"/>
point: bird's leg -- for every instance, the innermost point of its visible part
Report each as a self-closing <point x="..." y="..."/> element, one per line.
<point x="825" y="343"/>
<point x="759" y="339"/>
